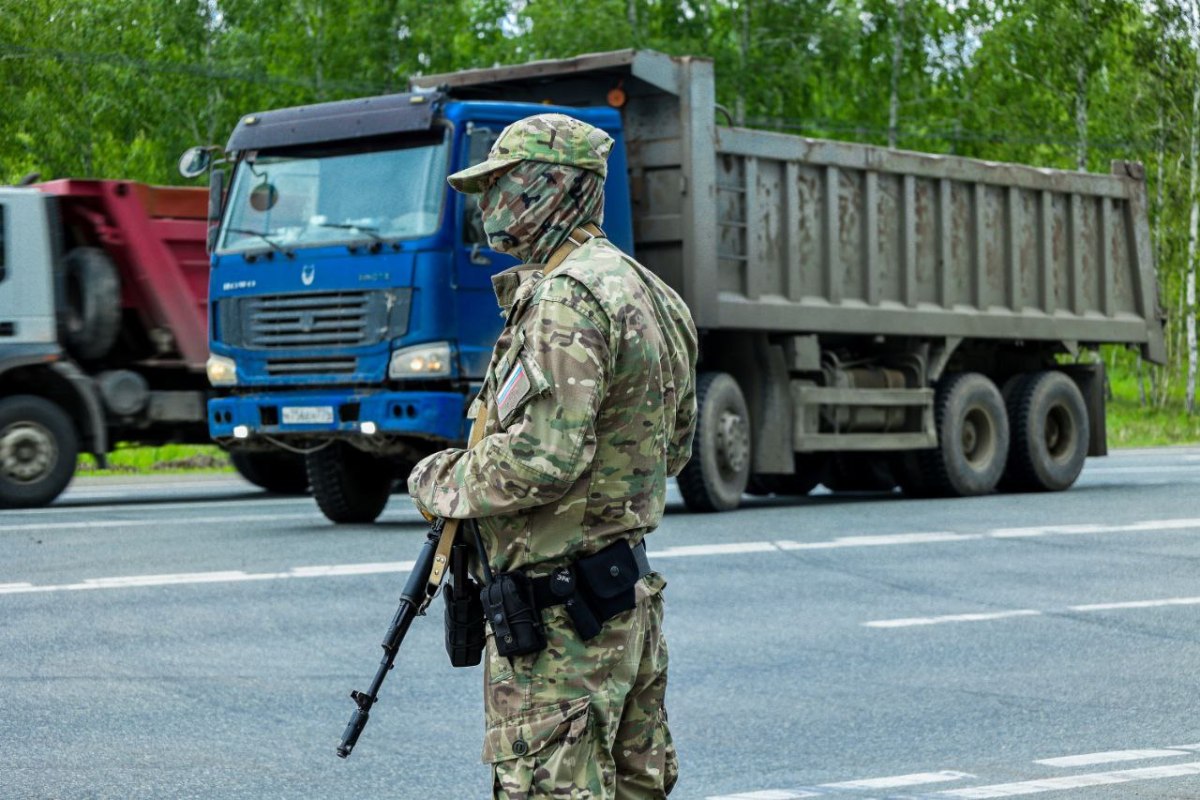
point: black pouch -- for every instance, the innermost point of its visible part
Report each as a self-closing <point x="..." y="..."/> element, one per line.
<point x="607" y="579"/>
<point x="508" y="605"/>
<point x="464" y="623"/>
<point x="565" y="588"/>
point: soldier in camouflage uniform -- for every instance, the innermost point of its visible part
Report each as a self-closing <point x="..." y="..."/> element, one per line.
<point x="591" y="406"/>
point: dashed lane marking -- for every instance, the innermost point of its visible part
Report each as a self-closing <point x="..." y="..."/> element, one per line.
<point x="228" y="576"/>
<point x="1041" y="785"/>
<point x="1109" y="757"/>
<point x="151" y="523"/>
<point x="912" y="622"/>
<point x="865" y="784"/>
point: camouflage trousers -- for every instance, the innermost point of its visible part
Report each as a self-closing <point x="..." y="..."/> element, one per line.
<point x="583" y="720"/>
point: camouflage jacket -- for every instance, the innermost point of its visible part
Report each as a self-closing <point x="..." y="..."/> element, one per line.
<point x="591" y="406"/>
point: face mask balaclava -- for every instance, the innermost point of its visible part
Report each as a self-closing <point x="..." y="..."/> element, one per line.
<point x="531" y="209"/>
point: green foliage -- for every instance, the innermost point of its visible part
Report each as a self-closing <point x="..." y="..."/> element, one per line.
<point x="119" y="88"/>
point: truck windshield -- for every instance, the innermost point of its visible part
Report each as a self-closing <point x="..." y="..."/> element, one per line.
<point x="309" y="197"/>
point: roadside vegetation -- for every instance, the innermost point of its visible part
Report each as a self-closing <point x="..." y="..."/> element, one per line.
<point x="131" y="459"/>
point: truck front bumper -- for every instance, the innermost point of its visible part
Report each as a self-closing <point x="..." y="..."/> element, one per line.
<point x="425" y="415"/>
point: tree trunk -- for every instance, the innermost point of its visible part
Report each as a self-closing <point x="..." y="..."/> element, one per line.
<point x="739" y="107"/>
<point x="1157" y="378"/>
<point x="1081" y="94"/>
<point x="632" y="15"/>
<point x="1193" y="231"/>
<point x="897" y="60"/>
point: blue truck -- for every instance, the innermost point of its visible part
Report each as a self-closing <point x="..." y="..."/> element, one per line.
<point x="869" y="318"/>
<point x="351" y="306"/>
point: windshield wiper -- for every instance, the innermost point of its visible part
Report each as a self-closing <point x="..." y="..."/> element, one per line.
<point x="347" y="226"/>
<point x="260" y="235"/>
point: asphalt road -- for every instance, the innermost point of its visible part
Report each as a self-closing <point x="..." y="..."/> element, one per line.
<point x="176" y="638"/>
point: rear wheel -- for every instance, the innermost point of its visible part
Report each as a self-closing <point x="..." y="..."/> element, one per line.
<point x="348" y="484"/>
<point x="972" y="428"/>
<point x="38" y="451"/>
<point x="719" y="470"/>
<point x="1050" y="433"/>
<point x="282" y="473"/>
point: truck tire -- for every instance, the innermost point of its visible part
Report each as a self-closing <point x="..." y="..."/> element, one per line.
<point x="717" y="475"/>
<point x="1050" y="433"/>
<point x="38" y="450"/>
<point x="93" y="314"/>
<point x="972" y="428"/>
<point x="349" y="485"/>
<point x="281" y="473"/>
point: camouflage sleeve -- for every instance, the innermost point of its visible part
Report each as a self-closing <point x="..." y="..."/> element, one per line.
<point x="546" y="443"/>
<point x="679" y="451"/>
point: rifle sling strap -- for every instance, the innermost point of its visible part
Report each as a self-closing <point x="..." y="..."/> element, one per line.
<point x="441" y="557"/>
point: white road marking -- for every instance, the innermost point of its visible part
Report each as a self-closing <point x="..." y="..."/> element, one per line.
<point x="1170" y="601"/>
<point x="160" y="522"/>
<point x="890" y="782"/>
<point x="1073" y="782"/>
<point x="228" y="576"/>
<point x="881" y="540"/>
<point x="766" y="794"/>
<point x="900" y="781"/>
<point x="159" y="505"/>
<point x="1109" y="757"/>
<point x="910" y="622"/>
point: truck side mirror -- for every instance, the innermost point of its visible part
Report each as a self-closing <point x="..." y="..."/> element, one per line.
<point x="194" y="162"/>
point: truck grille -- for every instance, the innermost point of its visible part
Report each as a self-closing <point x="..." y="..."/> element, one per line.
<point x="334" y="320"/>
<point x="311" y="366"/>
<point x="330" y="318"/>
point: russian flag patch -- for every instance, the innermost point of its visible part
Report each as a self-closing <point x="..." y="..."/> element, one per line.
<point x="514" y="389"/>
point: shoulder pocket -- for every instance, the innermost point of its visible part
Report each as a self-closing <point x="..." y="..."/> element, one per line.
<point x="537" y="730"/>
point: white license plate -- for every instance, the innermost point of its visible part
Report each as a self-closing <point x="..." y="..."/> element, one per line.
<point x="307" y="415"/>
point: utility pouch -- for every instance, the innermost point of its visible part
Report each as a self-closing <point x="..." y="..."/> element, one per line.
<point x="565" y="589"/>
<point x="607" y="579"/>
<point x="508" y="605"/>
<point x="464" y="623"/>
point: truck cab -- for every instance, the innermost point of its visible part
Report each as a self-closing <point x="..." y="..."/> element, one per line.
<point x="351" y="306"/>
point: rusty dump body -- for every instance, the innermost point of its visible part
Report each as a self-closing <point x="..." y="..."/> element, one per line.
<point x="842" y="284"/>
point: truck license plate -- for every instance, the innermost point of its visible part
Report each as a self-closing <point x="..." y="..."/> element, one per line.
<point x="307" y="415"/>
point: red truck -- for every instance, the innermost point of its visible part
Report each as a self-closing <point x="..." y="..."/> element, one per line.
<point x="103" y="331"/>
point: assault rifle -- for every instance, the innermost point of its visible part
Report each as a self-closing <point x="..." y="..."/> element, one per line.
<point x="419" y="590"/>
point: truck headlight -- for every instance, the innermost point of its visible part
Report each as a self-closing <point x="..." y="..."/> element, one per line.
<point x="423" y="361"/>
<point x="222" y="371"/>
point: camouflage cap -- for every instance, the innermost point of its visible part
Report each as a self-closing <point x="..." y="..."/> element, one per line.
<point x="551" y="138"/>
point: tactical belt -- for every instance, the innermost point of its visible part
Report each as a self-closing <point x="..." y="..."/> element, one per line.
<point x="595" y="588"/>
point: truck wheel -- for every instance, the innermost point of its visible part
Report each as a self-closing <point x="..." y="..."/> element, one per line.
<point x="719" y="470"/>
<point x="93" y="314"/>
<point x="38" y="451"/>
<point x="972" y="428"/>
<point x="1050" y="433"/>
<point x="349" y="485"/>
<point x="282" y="473"/>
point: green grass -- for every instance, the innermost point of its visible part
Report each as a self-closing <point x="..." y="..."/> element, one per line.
<point x="1131" y="425"/>
<point x="131" y="459"/>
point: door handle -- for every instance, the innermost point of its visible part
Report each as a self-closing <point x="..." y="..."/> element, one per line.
<point x="478" y="258"/>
